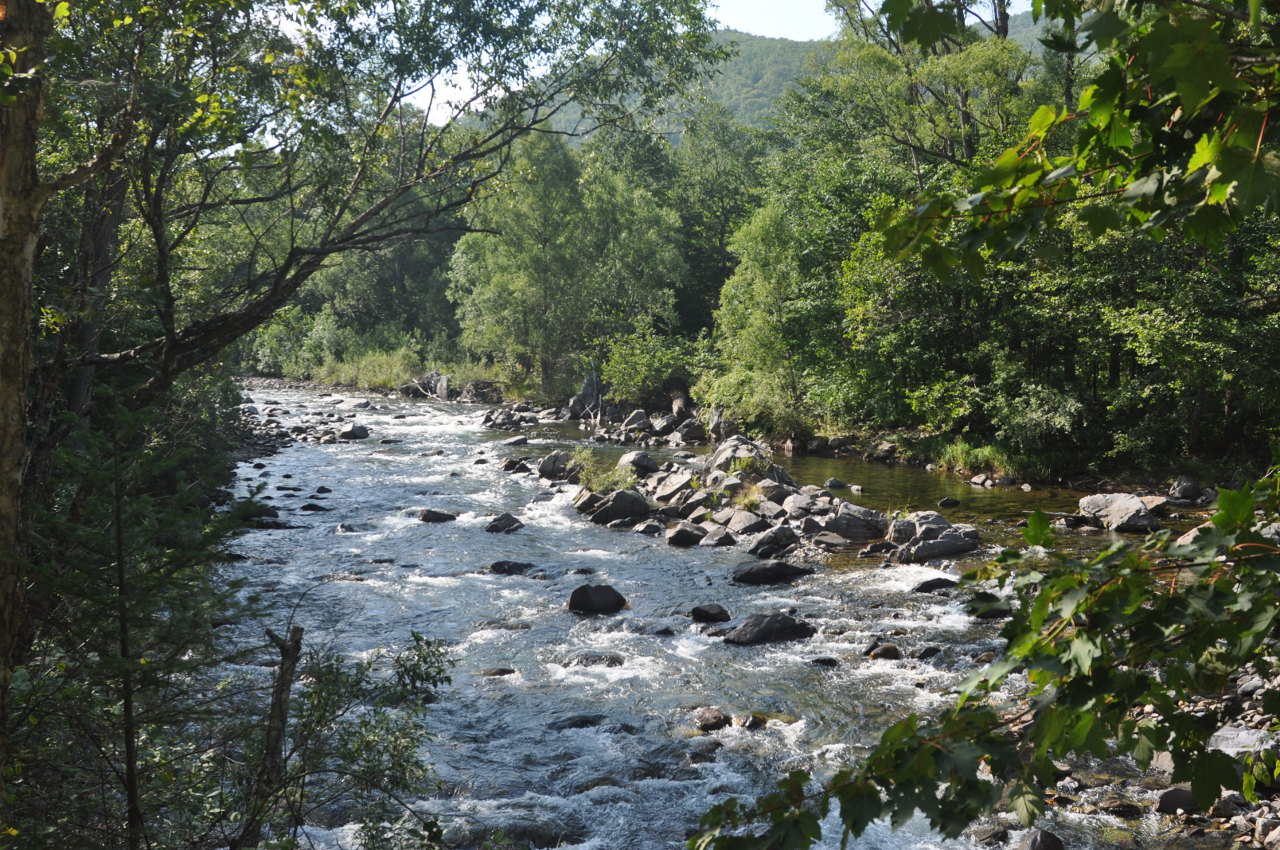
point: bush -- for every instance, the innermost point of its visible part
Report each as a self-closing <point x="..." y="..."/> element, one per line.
<point x="597" y="474"/>
<point x="640" y="367"/>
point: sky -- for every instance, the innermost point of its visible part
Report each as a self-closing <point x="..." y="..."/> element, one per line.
<point x="802" y="20"/>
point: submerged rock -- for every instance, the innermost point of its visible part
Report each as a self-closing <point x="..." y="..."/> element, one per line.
<point x="768" y="572"/>
<point x="769" y="628"/>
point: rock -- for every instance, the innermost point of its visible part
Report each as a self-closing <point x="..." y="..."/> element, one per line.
<point x="1176" y="799"/>
<point x="829" y="542"/>
<point x="354" y="432"/>
<point x="554" y="466"/>
<point x="1121" y="808"/>
<point x="773" y="541"/>
<point x="885" y="652"/>
<point x="744" y="522"/>
<point x="798" y="504"/>
<point x="1042" y="839"/>
<point x="1118" y="512"/>
<point x="685" y="534"/>
<point x="950" y="502"/>
<point x="825" y="661"/>
<point x="923" y="525"/>
<point x="497" y="671"/>
<point x="429" y="515"/>
<point x="596" y="599"/>
<point x="835" y="484"/>
<point x="575" y="721"/>
<point x="504" y="524"/>
<point x="511" y="568"/>
<point x="649" y="528"/>
<point x="312" y="507"/>
<point x="884" y="547"/>
<point x="883" y="451"/>
<point x="673" y="485"/>
<point x="717" y="536"/>
<point x="951" y="543"/>
<point x="928" y="652"/>
<point x="709" y="613"/>
<point x="854" y="522"/>
<point x="595" y="659"/>
<point x="768" y="572"/>
<point x="1185" y="488"/>
<point x="769" y="628"/>
<point x="990" y="835"/>
<point x="710" y="719"/>
<point x="1156" y="504"/>
<point x="641" y="462"/>
<point x="934" y="584"/>
<point x="515" y="441"/>
<point x="481" y="391"/>
<point x="988" y="606"/>
<point x="637" y="420"/>
<point x="620" y="504"/>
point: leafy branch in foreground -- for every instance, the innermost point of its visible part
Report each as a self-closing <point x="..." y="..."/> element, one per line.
<point x="1098" y="639"/>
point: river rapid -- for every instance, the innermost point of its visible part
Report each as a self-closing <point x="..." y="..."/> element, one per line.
<point x="591" y="741"/>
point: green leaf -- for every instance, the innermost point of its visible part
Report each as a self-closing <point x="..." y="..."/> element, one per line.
<point x="61" y="11"/>
<point x="1037" y="532"/>
<point x="1026" y="802"/>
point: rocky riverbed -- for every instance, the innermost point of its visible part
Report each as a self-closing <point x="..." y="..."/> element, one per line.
<point x="737" y="638"/>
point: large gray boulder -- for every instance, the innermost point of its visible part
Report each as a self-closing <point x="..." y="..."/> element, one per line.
<point x="744" y="522"/>
<point x="1118" y="512"/>
<point x="924" y="525"/>
<point x="637" y="420"/>
<point x="769" y="628"/>
<point x="685" y="534"/>
<point x="554" y="466"/>
<point x="739" y="448"/>
<point x="620" y="504"/>
<point x="1185" y="488"/>
<point x="950" y="543"/>
<point x="853" y="522"/>
<point x="354" y="432"/>
<point x="641" y="462"/>
<point x="672" y="485"/>
<point x="773" y="542"/>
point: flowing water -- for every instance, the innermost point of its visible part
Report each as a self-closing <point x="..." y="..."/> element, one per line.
<point x="564" y="753"/>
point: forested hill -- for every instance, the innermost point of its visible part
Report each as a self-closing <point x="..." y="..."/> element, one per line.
<point x="760" y="71"/>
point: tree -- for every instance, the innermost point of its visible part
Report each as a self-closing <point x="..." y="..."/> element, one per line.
<point x="277" y="121"/>
<point x="562" y="260"/>
<point x="1174" y="130"/>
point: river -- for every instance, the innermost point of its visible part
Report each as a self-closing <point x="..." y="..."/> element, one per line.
<point x="591" y="742"/>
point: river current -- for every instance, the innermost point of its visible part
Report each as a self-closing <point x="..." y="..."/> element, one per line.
<point x="591" y="743"/>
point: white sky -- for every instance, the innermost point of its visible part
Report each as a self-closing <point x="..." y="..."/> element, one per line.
<point x="802" y="20"/>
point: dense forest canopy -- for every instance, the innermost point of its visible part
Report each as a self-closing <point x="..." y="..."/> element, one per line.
<point x="1033" y="243"/>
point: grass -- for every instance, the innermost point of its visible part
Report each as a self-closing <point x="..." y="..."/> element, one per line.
<point x="373" y="370"/>
<point x="597" y="474"/>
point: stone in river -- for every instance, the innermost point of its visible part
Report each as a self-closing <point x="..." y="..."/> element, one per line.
<point x="768" y="572"/>
<point x="430" y="515"/>
<point x="504" y="524"/>
<point x="596" y="599"/>
<point x="709" y="613"/>
<point x="769" y="628"/>
<point x="510" y="568"/>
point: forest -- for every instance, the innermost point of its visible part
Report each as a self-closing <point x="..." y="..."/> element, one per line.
<point x="1035" y="244"/>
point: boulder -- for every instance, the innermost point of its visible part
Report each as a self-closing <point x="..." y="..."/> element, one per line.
<point x="952" y="542"/>
<point x="1041" y="839"/>
<point x="586" y="501"/>
<point x="885" y="652"/>
<point x="856" y="523"/>
<point x="776" y="491"/>
<point x="933" y="585"/>
<point x="429" y="515"/>
<point x="709" y="613"/>
<point x="554" y="466"/>
<point x="620" y="504"/>
<point x="504" y="524"/>
<point x="772" y="627"/>
<point x="649" y="528"/>
<point x="354" y="432"/>
<point x="717" y="536"/>
<point x="773" y="541"/>
<point x="1118" y="512"/>
<point x="510" y="568"/>
<point x="770" y="510"/>
<point x="710" y="719"/>
<point x="637" y="420"/>
<point x="641" y="462"/>
<point x="1175" y="799"/>
<point x="481" y="391"/>
<point x="1185" y="488"/>
<point x="948" y="502"/>
<point x="515" y="441"/>
<point x="664" y="423"/>
<point x="672" y="485"/>
<point x="923" y="525"/>
<point x="685" y="534"/>
<point x="835" y="484"/>
<point x="744" y="522"/>
<point x="768" y="572"/>
<point x="596" y="599"/>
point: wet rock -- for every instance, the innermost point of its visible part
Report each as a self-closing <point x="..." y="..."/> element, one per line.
<point x="516" y="441"/>
<point x="950" y="502"/>
<point x="773" y="541"/>
<point x="709" y="719"/>
<point x="748" y="721"/>
<point x="835" y="484"/>
<point x="430" y="515"/>
<point x="988" y="606"/>
<point x="504" y="524"/>
<point x="595" y="659"/>
<point x="1042" y="839"/>
<point x="1118" y="512"/>
<point x="511" y="568"/>
<point x="494" y="672"/>
<point x="951" y="543"/>
<point x="772" y="627"/>
<point x="717" y="536"/>
<point x="685" y="534"/>
<point x="596" y="599"/>
<point x="576" y="721"/>
<point x="637" y="420"/>
<point x="829" y="542"/>
<point x="770" y="510"/>
<point x="884" y="547"/>
<point x="312" y="507"/>
<point x="885" y="652"/>
<point x="934" y="584"/>
<point x="257" y="510"/>
<point x="921" y="525"/>
<point x="928" y="652"/>
<point x="989" y="836"/>
<point x="825" y="661"/>
<point x="641" y="462"/>
<point x="1120" y="808"/>
<point x="649" y="528"/>
<point x="354" y="432"/>
<point x="854" y="522"/>
<point x="620" y="504"/>
<point x="1176" y="799"/>
<point x="769" y="572"/>
<point x="711" y="612"/>
<point x="587" y="501"/>
<point x="673" y="485"/>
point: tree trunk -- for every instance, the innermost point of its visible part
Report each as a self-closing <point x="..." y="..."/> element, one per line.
<point x="24" y="26"/>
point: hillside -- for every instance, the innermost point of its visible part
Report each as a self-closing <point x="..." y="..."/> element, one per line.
<point x="750" y="82"/>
